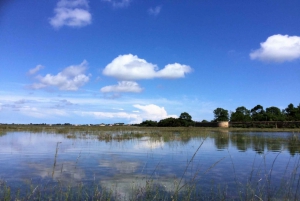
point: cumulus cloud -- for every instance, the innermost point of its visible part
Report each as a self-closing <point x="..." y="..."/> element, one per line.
<point x="123" y="86"/>
<point x="153" y="112"/>
<point x="146" y="112"/>
<point x="70" y="79"/>
<point x="154" y="11"/>
<point x="278" y="48"/>
<point x="35" y="70"/>
<point x="119" y="3"/>
<point x="130" y="67"/>
<point x="72" y="13"/>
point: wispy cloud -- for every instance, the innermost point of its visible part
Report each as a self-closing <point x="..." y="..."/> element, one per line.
<point x="130" y="67"/>
<point x="119" y="3"/>
<point x="154" y="11"/>
<point x="35" y="70"/>
<point x="63" y="103"/>
<point x="41" y="113"/>
<point x="123" y="86"/>
<point x="72" y="13"/>
<point x="85" y="108"/>
<point x="70" y="79"/>
<point x="278" y="48"/>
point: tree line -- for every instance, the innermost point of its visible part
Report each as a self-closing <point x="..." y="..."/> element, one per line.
<point x="257" y="113"/>
<point x="241" y="114"/>
<point x="185" y="119"/>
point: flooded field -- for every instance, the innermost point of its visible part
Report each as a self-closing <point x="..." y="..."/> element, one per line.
<point x="153" y="164"/>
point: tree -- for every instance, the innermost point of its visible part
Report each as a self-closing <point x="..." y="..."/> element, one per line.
<point x="240" y="114"/>
<point x="185" y="116"/>
<point x="290" y="112"/>
<point x="297" y="115"/>
<point x="169" y="122"/>
<point x="221" y="114"/>
<point x="186" y="119"/>
<point x="258" y="113"/>
<point x="274" y="114"/>
<point x="149" y="123"/>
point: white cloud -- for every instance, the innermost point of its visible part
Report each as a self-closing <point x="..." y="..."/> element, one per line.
<point x="123" y="86"/>
<point x="70" y="79"/>
<point x="130" y="67"/>
<point x="118" y="109"/>
<point x="41" y="113"/>
<point x="278" y="48"/>
<point x="119" y="3"/>
<point x="111" y="115"/>
<point x="73" y="3"/>
<point x="175" y="70"/>
<point x="153" y="112"/>
<point x="154" y="11"/>
<point x="35" y="70"/>
<point x="147" y="112"/>
<point x="73" y="13"/>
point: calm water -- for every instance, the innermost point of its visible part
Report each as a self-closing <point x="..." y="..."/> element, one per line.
<point x="225" y="159"/>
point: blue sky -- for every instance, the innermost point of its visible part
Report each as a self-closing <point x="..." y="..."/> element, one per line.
<point x="107" y="61"/>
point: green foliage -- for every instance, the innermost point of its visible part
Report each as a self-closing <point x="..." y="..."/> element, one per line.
<point x="149" y="123"/>
<point x="184" y="120"/>
<point x="274" y="114"/>
<point x="258" y="113"/>
<point x="241" y="114"/>
<point x="185" y="116"/>
<point x="292" y="113"/>
<point x="221" y="114"/>
<point x="170" y="122"/>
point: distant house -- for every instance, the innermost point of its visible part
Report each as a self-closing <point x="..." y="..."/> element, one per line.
<point x="102" y="124"/>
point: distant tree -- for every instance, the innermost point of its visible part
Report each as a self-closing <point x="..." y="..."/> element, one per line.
<point x="258" y="113"/>
<point x="221" y="114"/>
<point x="290" y="112"/>
<point x="169" y="122"/>
<point x="274" y="114"/>
<point x="297" y="115"/>
<point x="148" y="123"/>
<point x="185" y="116"/>
<point x="186" y="119"/>
<point x="240" y="114"/>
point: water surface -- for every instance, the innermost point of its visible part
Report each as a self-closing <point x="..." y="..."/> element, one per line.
<point x="227" y="159"/>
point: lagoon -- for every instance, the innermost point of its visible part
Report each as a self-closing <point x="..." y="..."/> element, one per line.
<point x="152" y="163"/>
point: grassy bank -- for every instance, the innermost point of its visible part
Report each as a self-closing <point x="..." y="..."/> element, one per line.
<point x="71" y="128"/>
